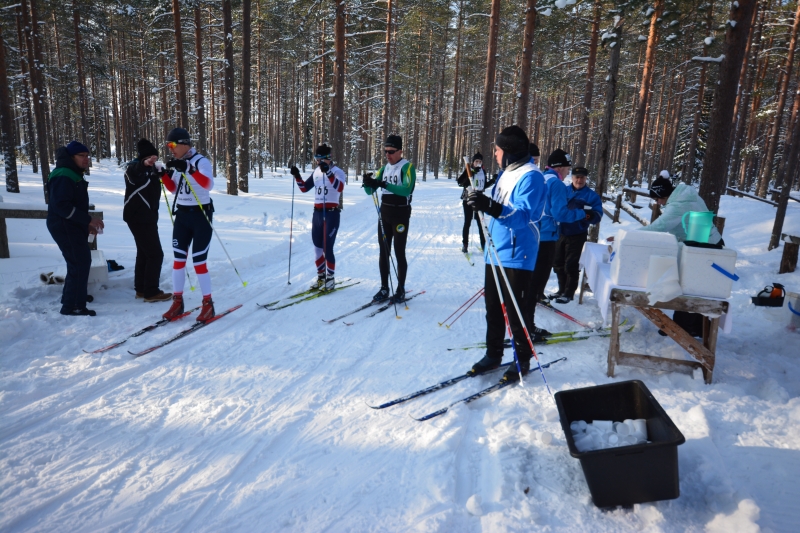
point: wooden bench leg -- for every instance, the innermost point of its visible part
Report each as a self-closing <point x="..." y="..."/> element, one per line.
<point x="710" y="333"/>
<point x="613" y="346"/>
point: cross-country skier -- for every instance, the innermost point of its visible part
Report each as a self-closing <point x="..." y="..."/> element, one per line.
<point x="515" y="205"/>
<point x="190" y="177"/>
<point x="396" y="182"/>
<point x="572" y="235"/>
<point x="479" y="178"/>
<point x="327" y="181"/>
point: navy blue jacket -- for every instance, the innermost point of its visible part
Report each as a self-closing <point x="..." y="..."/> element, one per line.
<point x="555" y="210"/>
<point x="68" y="192"/>
<point x="577" y="199"/>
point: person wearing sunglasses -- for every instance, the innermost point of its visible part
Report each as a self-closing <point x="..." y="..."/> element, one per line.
<point x="395" y="181"/>
<point x="190" y="178"/>
<point x="327" y="181"/>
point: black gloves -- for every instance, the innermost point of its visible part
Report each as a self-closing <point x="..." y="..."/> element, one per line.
<point x="294" y="171"/>
<point x="180" y="165"/>
<point x="481" y="202"/>
<point x="372" y="183"/>
<point x="324" y="167"/>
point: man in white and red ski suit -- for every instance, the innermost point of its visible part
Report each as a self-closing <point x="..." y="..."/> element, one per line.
<point x="190" y="177"/>
<point x="327" y="181"/>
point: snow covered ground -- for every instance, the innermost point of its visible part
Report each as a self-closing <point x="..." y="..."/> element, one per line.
<point x="259" y="421"/>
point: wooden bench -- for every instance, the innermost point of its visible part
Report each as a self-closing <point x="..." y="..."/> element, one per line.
<point x="30" y="211"/>
<point x="704" y="353"/>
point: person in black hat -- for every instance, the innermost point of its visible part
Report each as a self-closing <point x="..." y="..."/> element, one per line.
<point x="140" y="212"/>
<point x="556" y="212"/>
<point x="70" y="225"/>
<point x="534" y="151"/>
<point x="515" y="205"/>
<point x="190" y="178"/>
<point x="479" y="179"/>
<point x="572" y="235"/>
<point x="327" y="181"/>
<point x="395" y="181"/>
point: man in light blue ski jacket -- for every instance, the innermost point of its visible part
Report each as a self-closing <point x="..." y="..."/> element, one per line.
<point x="556" y="211"/>
<point x="515" y="206"/>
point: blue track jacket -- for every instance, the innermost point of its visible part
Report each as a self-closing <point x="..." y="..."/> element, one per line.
<point x="578" y="198"/>
<point x="555" y="209"/>
<point x="521" y="190"/>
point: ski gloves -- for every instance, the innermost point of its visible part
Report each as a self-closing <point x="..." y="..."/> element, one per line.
<point x="480" y="202"/>
<point x="372" y="183"/>
<point x="294" y="171"/>
<point x="181" y="165"/>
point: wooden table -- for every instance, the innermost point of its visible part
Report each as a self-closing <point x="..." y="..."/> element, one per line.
<point x="29" y="211"/>
<point x="704" y="353"/>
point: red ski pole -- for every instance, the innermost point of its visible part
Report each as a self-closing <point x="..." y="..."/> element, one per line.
<point x="471" y="298"/>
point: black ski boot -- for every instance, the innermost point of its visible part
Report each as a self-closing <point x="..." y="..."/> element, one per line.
<point x="381" y="295"/>
<point x="540" y="334"/>
<point x="399" y="296"/>
<point x="486" y="364"/>
<point x="511" y="375"/>
<point x="464" y="248"/>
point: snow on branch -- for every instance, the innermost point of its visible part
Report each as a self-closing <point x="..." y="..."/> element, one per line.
<point x="709" y="59"/>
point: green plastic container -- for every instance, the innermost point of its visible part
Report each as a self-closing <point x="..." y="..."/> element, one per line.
<point x="699" y="227"/>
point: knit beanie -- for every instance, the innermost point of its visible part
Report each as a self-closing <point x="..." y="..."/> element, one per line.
<point x="180" y="136"/>
<point x="75" y="148"/>
<point x="559" y="158"/>
<point x="512" y="140"/>
<point x="145" y="149"/>
<point x="477" y="157"/>
<point x="394" y="141"/>
<point x="533" y="150"/>
<point x="661" y="188"/>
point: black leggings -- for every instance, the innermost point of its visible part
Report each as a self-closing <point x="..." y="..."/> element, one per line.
<point x="395" y="222"/>
<point x="567" y="262"/>
<point x="469" y="214"/>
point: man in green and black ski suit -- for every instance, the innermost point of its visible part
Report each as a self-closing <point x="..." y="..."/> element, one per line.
<point x="395" y="181"/>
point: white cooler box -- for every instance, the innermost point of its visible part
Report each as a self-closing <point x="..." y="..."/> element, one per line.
<point x="632" y="250"/>
<point x="700" y="278"/>
<point x="98" y="273"/>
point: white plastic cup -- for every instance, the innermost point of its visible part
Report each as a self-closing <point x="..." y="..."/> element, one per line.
<point x="603" y="425"/>
<point x="622" y="429"/>
<point x="630" y="440"/>
<point x="545" y="437"/>
<point x="585" y="443"/>
<point x="612" y="438"/>
<point x="640" y="428"/>
<point x="575" y="427"/>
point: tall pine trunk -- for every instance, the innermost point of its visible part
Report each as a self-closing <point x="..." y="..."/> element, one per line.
<point x="387" y="74"/>
<point x="180" y="72"/>
<point x="244" y="132"/>
<point x="525" y="66"/>
<point x="487" y="117"/>
<point x="581" y="150"/>
<point x="230" y="107"/>
<point x="7" y="136"/>
<point x="714" y="176"/>
<point x="201" y="103"/>
<point x="337" y="102"/>
<point x="38" y="95"/>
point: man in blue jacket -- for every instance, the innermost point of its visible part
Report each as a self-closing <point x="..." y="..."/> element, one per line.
<point x="69" y="223"/>
<point x="555" y="212"/>
<point x="515" y="206"/>
<point x="574" y="234"/>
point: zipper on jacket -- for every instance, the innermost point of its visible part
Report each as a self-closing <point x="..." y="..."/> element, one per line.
<point x="513" y="245"/>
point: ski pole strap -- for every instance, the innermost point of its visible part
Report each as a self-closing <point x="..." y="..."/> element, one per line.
<point x="793" y="310"/>
<point x="177" y="191"/>
<point x="724" y="272"/>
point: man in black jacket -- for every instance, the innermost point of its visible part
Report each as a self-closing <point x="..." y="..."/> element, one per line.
<point x="69" y="223"/>
<point x="140" y="212"/>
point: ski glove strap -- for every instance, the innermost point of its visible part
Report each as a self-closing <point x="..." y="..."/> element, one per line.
<point x="481" y="202"/>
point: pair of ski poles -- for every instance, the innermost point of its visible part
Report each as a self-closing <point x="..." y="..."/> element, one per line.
<point x="493" y="252"/>
<point x="189" y="183"/>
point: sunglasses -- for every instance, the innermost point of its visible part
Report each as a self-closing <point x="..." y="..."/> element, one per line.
<point x="390" y="152"/>
<point x="319" y="157"/>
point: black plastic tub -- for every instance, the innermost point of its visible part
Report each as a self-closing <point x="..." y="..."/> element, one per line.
<point x="630" y="474"/>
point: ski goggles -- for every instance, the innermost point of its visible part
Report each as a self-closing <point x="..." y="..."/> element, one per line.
<point x="173" y="144"/>
<point x="319" y="157"/>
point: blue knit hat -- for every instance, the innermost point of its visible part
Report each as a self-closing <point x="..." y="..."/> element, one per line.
<point x="75" y="148"/>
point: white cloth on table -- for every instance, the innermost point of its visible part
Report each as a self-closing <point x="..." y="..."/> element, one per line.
<point x="598" y="274"/>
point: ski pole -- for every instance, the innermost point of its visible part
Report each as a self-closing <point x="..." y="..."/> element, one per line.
<point x="291" y="226"/>
<point x="493" y="249"/>
<point x="386" y="247"/>
<point x="473" y="297"/>
<point x="244" y="283"/>
<point x="464" y="311"/>
<point x="564" y="315"/>
<point x="169" y="210"/>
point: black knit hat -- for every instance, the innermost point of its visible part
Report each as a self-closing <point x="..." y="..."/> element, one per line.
<point x="661" y="188"/>
<point x="512" y="140"/>
<point x="477" y="157"/>
<point x="580" y="171"/>
<point x="533" y="150"/>
<point x="559" y="158"/>
<point x="323" y="150"/>
<point x="145" y="149"/>
<point x="180" y="136"/>
<point x="394" y="141"/>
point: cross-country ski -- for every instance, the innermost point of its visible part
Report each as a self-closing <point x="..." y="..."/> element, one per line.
<point x="191" y="329"/>
<point x="142" y="331"/>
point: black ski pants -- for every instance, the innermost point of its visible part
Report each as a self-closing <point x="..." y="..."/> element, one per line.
<point x="520" y="281"/>
<point x="567" y="262"/>
<point x="395" y="221"/>
<point x="541" y="274"/>
<point x="469" y="214"/>
<point x="149" y="258"/>
<point x="72" y="241"/>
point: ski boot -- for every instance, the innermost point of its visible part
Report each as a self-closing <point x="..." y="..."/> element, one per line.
<point x="399" y="296"/>
<point x="318" y="284"/>
<point x="328" y="285"/>
<point x="207" y="312"/>
<point x="511" y="375"/>
<point x="486" y="364"/>
<point x="381" y="295"/>
<point x="176" y="309"/>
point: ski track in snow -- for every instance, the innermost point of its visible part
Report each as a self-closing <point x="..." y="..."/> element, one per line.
<point x="259" y="422"/>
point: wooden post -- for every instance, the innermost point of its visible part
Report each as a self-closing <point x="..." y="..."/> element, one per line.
<point x="4" y="251"/>
<point x="633" y="194"/>
<point x="656" y="211"/>
<point x="789" y="258"/>
<point x="617" y="208"/>
<point x="719" y="223"/>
